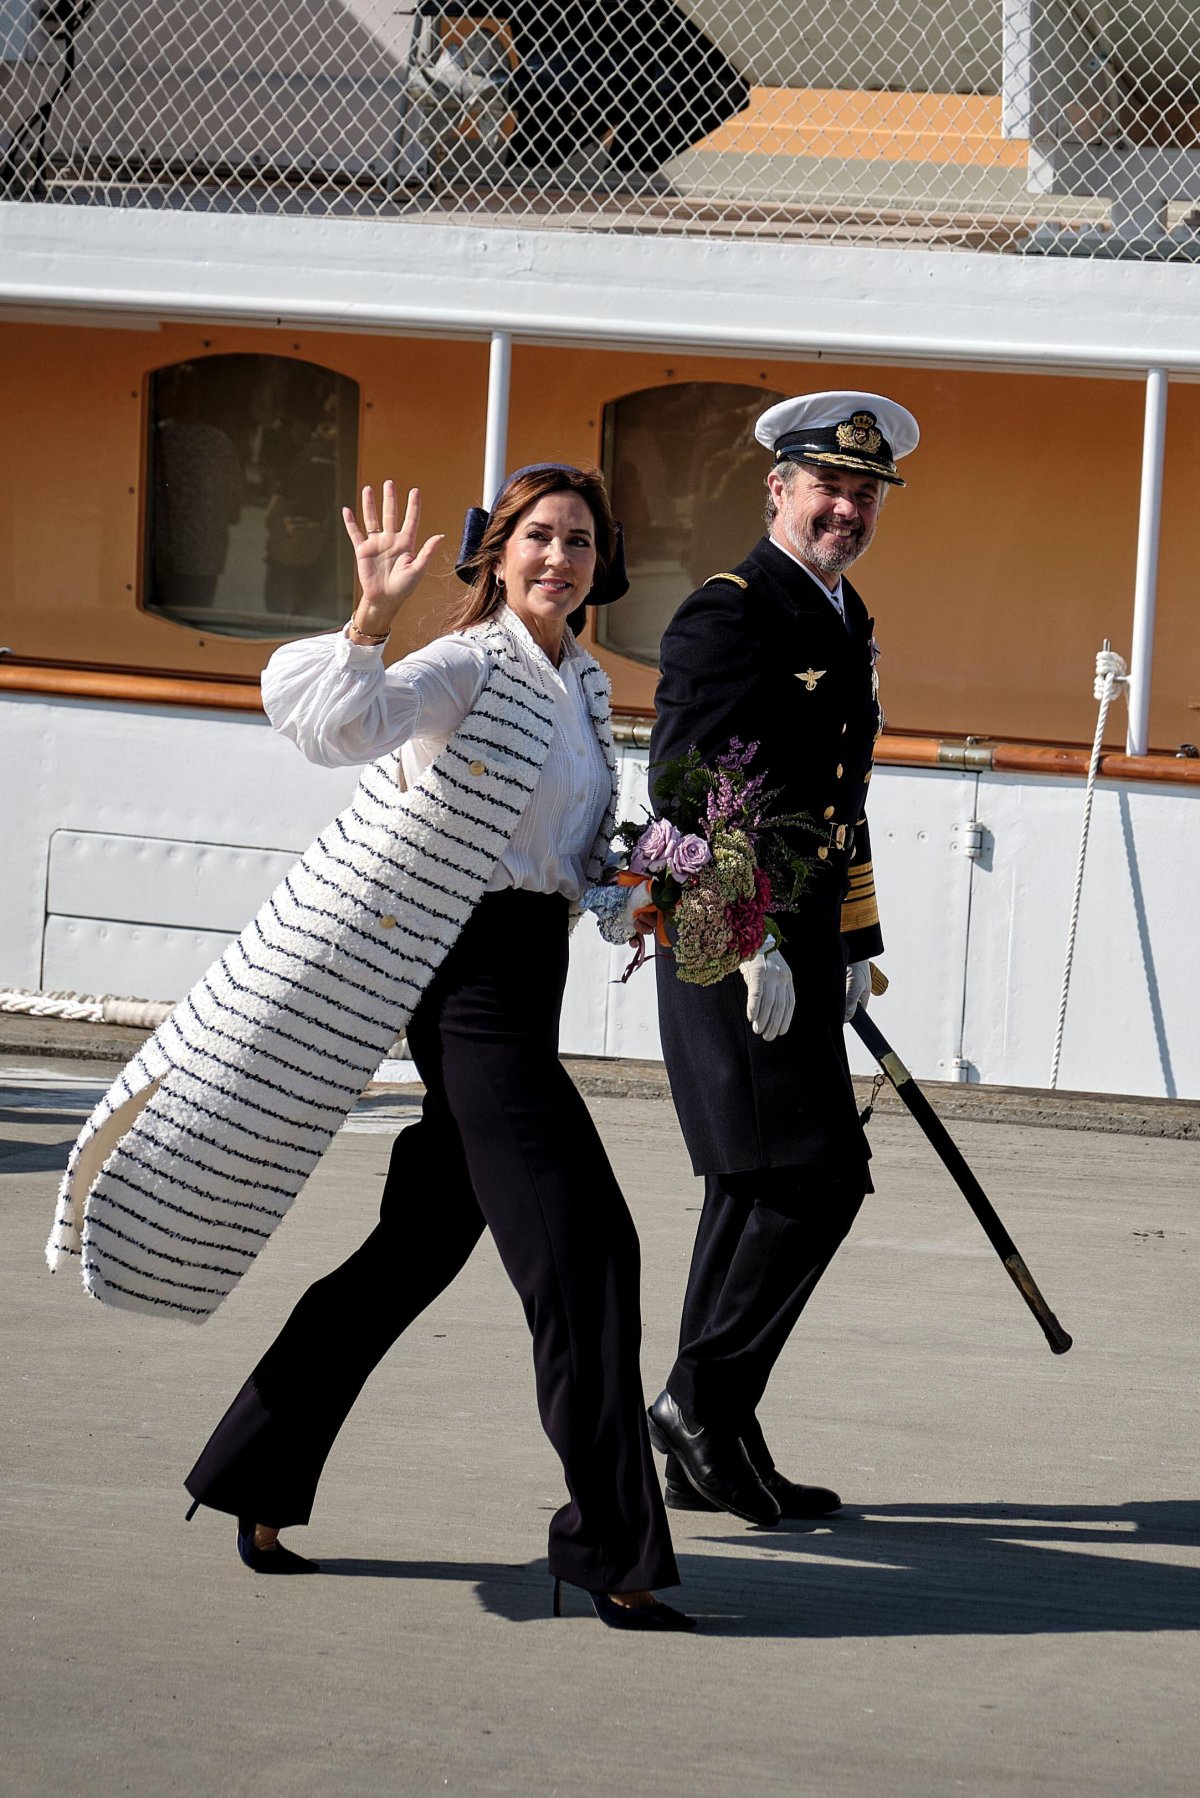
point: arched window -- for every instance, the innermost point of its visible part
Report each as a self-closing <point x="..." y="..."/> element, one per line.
<point x="250" y="460"/>
<point x="687" y="482"/>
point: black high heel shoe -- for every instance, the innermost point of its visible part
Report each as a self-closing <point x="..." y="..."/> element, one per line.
<point x="269" y="1560"/>
<point x="625" y="1616"/>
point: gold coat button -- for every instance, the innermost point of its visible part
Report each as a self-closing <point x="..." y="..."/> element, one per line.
<point x="822" y="854"/>
<point x="387" y="922"/>
<point x="478" y="767"/>
<point x="840" y="771"/>
<point x="828" y="813"/>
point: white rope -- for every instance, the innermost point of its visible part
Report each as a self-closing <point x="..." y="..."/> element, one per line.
<point x="1111" y="672"/>
<point x="85" y="1008"/>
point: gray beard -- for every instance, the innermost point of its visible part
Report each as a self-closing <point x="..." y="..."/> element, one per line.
<point x="829" y="558"/>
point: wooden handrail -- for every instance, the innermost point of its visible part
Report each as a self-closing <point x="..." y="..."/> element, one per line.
<point x="234" y="694"/>
<point x="231" y="695"/>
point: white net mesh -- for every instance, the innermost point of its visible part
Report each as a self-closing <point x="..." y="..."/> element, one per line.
<point x="1029" y="126"/>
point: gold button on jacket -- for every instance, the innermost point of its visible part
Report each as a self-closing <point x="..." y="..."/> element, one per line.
<point x="387" y="922"/>
<point x="478" y="767"/>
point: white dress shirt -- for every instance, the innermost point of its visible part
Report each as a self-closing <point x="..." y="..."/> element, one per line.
<point x="340" y="705"/>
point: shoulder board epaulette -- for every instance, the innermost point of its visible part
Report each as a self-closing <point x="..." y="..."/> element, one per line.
<point x="735" y="578"/>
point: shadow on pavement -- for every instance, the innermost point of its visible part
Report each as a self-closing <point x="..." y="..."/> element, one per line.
<point x="974" y="1569"/>
<point x="912" y="1570"/>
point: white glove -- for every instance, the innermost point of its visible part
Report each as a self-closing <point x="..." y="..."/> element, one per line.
<point x="770" y="993"/>
<point x="638" y="897"/>
<point x="858" y="986"/>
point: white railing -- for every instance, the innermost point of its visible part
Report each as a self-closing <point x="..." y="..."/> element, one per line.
<point x="1027" y="126"/>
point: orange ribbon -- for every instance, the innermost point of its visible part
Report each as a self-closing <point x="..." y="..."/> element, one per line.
<point x="628" y="879"/>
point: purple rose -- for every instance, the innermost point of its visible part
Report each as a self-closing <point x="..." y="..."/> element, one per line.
<point x="687" y="856"/>
<point x="654" y="847"/>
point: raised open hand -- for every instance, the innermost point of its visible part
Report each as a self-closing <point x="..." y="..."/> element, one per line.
<point x="389" y="564"/>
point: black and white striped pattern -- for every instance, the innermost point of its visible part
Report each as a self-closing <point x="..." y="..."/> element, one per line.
<point x="192" y="1157"/>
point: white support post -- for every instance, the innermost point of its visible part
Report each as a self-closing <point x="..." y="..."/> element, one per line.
<point x="495" y="443"/>
<point x="1145" y="592"/>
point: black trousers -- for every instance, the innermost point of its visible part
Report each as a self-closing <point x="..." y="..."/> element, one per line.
<point x="764" y="1240"/>
<point x="504" y="1141"/>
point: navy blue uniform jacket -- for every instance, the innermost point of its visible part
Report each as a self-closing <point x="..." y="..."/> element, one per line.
<point x="760" y="653"/>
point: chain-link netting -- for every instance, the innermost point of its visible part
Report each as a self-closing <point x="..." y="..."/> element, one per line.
<point x="1030" y="126"/>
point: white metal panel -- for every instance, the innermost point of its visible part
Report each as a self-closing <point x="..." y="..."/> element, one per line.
<point x="600" y="1016"/>
<point x="631" y="1027"/>
<point x="134" y="961"/>
<point x="924" y="885"/>
<point x="566" y="286"/>
<point x="1132" y="1019"/>
<point x="1133" y="1023"/>
<point x="154" y="880"/>
<point x="583" y="1012"/>
<point x="142" y="771"/>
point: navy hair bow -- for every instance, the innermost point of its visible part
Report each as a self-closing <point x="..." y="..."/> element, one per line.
<point x="613" y="584"/>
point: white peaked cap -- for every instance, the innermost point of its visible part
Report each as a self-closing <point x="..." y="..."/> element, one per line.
<point x="841" y="430"/>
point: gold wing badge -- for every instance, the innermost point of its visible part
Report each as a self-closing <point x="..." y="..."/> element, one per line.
<point x="810" y="677"/>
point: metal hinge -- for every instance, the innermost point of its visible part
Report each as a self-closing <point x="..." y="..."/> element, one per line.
<point x="975" y="752"/>
<point x="969" y="839"/>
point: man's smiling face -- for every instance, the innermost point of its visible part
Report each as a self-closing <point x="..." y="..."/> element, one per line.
<point x="826" y="516"/>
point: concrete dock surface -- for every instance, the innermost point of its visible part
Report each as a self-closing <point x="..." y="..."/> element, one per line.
<point x="1006" y="1605"/>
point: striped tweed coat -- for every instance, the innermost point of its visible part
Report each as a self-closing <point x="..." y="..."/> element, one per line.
<point x="198" y="1149"/>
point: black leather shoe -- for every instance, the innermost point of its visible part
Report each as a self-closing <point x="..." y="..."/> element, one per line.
<point x="797" y="1501"/>
<point x="679" y="1496"/>
<point x="716" y="1466"/>
<point x="269" y="1560"/>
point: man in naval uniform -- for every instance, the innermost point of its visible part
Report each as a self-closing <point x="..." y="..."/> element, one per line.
<point x="778" y="651"/>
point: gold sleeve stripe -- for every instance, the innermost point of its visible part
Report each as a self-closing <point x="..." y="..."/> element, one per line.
<point x="860" y="907"/>
<point x="857" y="914"/>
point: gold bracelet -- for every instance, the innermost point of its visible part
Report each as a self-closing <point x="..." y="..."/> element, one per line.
<point x="368" y="642"/>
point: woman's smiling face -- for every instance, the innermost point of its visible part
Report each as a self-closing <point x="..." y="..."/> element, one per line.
<point x="548" y="564"/>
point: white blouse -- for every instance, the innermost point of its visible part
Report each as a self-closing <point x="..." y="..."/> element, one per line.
<point x="340" y="705"/>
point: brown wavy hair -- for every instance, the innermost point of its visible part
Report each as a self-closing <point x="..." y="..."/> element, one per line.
<point x="486" y="595"/>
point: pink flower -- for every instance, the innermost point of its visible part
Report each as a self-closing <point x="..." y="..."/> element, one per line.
<point x="687" y="856"/>
<point x="653" y="849"/>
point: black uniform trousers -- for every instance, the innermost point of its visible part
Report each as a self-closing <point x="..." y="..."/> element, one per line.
<point x="504" y="1141"/>
<point x="774" y="1128"/>
<point x="764" y="1240"/>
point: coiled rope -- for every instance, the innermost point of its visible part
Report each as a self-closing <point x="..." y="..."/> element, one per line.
<point x="85" y="1008"/>
<point x="1111" y="673"/>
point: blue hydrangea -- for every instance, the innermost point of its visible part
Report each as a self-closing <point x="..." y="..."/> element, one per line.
<point x="607" y="905"/>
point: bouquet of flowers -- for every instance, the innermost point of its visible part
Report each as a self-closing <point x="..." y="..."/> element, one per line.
<point x="715" y="860"/>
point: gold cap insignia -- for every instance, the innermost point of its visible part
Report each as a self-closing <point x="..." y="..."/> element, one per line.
<point x="859" y="433"/>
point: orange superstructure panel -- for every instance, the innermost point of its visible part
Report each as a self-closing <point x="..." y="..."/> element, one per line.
<point x="996" y="574"/>
<point x="856" y="125"/>
<point x="71" y="463"/>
